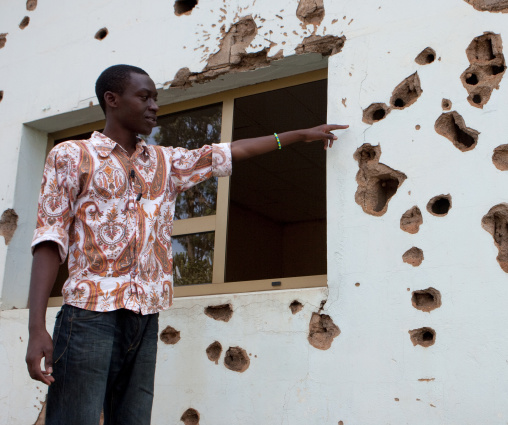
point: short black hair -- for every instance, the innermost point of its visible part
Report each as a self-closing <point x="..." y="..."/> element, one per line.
<point x="114" y="79"/>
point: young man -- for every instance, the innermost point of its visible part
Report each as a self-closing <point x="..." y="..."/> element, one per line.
<point x="108" y="203"/>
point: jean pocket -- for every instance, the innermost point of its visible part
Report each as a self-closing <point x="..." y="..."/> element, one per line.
<point x="60" y="334"/>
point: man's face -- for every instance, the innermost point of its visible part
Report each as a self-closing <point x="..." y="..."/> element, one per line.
<point x="136" y="109"/>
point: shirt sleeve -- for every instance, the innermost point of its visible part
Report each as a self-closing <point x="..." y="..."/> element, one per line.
<point x="190" y="167"/>
<point x="57" y="198"/>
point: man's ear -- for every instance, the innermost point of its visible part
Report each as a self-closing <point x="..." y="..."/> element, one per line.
<point x="111" y="99"/>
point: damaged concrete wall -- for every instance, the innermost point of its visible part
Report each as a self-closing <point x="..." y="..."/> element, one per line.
<point x="410" y="328"/>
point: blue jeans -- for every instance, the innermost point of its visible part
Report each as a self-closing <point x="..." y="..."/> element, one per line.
<point x="102" y="361"/>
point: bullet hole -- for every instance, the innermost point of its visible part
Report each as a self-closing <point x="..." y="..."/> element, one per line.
<point x="170" y="335"/>
<point x="426" y="299"/>
<point x="214" y="351"/>
<point x="452" y="126"/>
<point x="375" y="112"/>
<point x="489" y="5"/>
<point x="426" y="56"/>
<point x="296" y="306"/>
<point x="486" y="68"/>
<point x="236" y="359"/>
<point x="190" y="417"/>
<point x="496" y="223"/>
<point x="500" y="157"/>
<point x="221" y="312"/>
<point x="341" y="423"/>
<point x="184" y="7"/>
<point x="472" y="79"/>
<point x="327" y="45"/>
<point x="31" y="5"/>
<point x="396" y="399"/>
<point x="24" y="22"/>
<point x="440" y="205"/>
<point x="413" y="256"/>
<point x="8" y="224"/>
<point x="3" y="39"/>
<point x="411" y="220"/>
<point x="101" y="34"/>
<point x="423" y="336"/>
<point x="407" y="92"/>
<point x="310" y="12"/>
<point x="497" y="69"/>
<point x="322" y="331"/>
<point x="181" y="78"/>
<point x="1" y="95"/>
<point x="446" y="104"/>
<point x="357" y="284"/>
<point x="417" y="127"/>
<point x="377" y="183"/>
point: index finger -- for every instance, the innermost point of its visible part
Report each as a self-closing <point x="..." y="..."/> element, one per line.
<point x="332" y="127"/>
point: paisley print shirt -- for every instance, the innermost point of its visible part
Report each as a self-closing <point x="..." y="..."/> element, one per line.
<point x="119" y="247"/>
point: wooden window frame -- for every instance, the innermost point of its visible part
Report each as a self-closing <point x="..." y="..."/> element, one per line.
<point x="218" y="223"/>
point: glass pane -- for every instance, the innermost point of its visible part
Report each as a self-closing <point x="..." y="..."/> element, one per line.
<point x="277" y="201"/>
<point x="193" y="258"/>
<point x="190" y="130"/>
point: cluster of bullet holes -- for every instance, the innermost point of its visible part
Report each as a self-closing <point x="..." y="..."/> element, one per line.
<point x="31" y="5"/>
<point x="222" y="312"/>
<point x="24" y="22"/>
<point x="413" y="256"/>
<point x="377" y="183"/>
<point x="190" y="417"/>
<point x="101" y="34"/>
<point x="424" y="337"/>
<point x="496" y="223"/>
<point x="310" y="12"/>
<point x="426" y="299"/>
<point x="446" y="104"/>
<point x="404" y="95"/>
<point x="439" y="205"/>
<point x="170" y="335"/>
<point x="407" y="92"/>
<point x="452" y="126"/>
<point x="500" y="157"/>
<point x="375" y="112"/>
<point x="296" y="306"/>
<point x="8" y="224"/>
<point x="426" y="56"/>
<point x="214" y="351"/>
<point x="411" y="220"/>
<point x="236" y="359"/>
<point x="184" y="7"/>
<point x="322" y="331"/>
<point x="486" y="69"/>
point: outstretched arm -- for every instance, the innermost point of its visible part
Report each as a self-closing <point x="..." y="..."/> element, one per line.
<point x="247" y="148"/>
<point x="46" y="261"/>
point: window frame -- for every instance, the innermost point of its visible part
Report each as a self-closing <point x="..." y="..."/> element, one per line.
<point x="218" y="223"/>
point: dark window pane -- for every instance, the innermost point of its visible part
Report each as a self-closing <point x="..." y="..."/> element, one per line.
<point x="193" y="258"/>
<point x="277" y="210"/>
<point x="190" y="130"/>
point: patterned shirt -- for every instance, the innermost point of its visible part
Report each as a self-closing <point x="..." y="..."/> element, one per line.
<point x="113" y="215"/>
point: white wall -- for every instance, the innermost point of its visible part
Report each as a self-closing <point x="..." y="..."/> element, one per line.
<point x="47" y="72"/>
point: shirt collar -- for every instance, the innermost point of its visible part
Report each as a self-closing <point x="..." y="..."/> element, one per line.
<point x="104" y="145"/>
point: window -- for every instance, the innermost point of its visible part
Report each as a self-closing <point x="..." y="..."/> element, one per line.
<point x="264" y="227"/>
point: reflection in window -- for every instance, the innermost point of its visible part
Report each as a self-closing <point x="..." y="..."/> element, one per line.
<point x="193" y="258"/>
<point x="190" y="130"/>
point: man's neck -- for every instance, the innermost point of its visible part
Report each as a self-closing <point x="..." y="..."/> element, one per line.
<point x="125" y="138"/>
